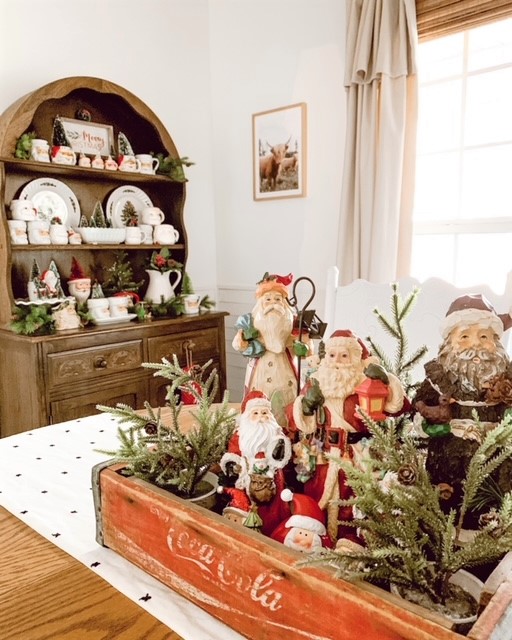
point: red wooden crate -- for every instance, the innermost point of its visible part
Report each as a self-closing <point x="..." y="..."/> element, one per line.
<point x="251" y="582"/>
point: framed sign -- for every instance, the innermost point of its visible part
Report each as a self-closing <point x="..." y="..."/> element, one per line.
<point x="89" y="137"/>
<point x="279" y="152"/>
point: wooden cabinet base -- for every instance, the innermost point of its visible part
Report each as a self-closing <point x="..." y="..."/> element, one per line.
<point x="50" y="379"/>
<point x="251" y="582"/>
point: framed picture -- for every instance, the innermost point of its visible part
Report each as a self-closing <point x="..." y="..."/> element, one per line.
<point x="279" y="152"/>
<point x="89" y="138"/>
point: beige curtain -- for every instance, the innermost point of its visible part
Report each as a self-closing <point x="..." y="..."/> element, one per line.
<point x="378" y="181"/>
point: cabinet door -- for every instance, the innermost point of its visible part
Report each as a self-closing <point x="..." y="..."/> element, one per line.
<point x="131" y="393"/>
<point x="197" y="346"/>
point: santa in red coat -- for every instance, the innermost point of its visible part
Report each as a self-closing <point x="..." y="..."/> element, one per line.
<point x="324" y="420"/>
<point x="258" y="451"/>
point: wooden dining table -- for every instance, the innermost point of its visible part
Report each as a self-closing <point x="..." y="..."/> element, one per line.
<point x="45" y="594"/>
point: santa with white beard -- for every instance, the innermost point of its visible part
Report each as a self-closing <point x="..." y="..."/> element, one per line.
<point x="258" y="451"/>
<point x="266" y="337"/>
<point x="324" y="417"/>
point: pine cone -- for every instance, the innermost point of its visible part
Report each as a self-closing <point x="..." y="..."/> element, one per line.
<point x="407" y="475"/>
<point x="500" y="390"/>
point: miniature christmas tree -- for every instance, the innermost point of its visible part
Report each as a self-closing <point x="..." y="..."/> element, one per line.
<point x="59" y="137"/>
<point x="35" y="271"/>
<point x="83" y="221"/>
<point x="98" y="217"/>
<point x="119" y="276"/>
<point x="97" y="291"/>
<point x="129" y="215"/>
<point x="403" y="362"/>
<point x="124" y="146"/>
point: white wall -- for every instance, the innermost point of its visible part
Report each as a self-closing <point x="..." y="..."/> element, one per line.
<point x="204" y="67"/>
<point x="268" y="54"/>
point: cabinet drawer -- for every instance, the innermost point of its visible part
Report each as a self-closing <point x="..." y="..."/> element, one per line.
<point x="95" y="362"/>
<point x="202" y="346"/>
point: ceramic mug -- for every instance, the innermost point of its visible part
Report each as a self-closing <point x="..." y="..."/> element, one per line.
<point x="38" y="232"/>
<point x="119" y="305"/>
<point x="165" y="234"/>
<point x="147" y="231"/>
<point x="63" y="155"/>
<point x="99" y="308"/>
<point x="58" y="234"/>
<point x="40" y="150"/>
<point x="80" y="289"/>
<point x="128" y="163"/>
<point x="134" y="235"/>
<point x="23" y="210"/>
<point x="191" y="303"/>
<point x="152" y="215"/>
<point x="18" y="231"/>
<point x="148" y="163"/>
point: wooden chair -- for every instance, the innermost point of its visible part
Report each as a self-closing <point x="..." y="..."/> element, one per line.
<point x="351" y="307"/>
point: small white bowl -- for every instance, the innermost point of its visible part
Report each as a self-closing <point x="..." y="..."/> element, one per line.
<point x="98" y="235"/>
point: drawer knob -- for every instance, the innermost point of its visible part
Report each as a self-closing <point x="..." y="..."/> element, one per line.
<point x="100" y="363"/>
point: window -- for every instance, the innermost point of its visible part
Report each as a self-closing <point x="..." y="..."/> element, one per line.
<point x="463" y="201"/>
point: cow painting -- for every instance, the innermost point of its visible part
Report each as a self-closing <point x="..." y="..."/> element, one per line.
<point x="270" y="165"/>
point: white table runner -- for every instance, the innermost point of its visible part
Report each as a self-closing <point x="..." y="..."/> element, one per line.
<point x="45" y="480"/>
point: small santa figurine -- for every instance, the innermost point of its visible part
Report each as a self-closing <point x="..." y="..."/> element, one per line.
<point x="239" y="505"/>
<point x="257" y="455"/>
<point x="305" y="529"/>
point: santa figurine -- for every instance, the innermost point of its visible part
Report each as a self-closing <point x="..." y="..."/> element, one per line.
<point x="471" y="376"/>
<point x="305" y="529"/>
<point x="239" y="505"/>
<point x="267" y="337"/>
<point x="257" y="455"/>
<point x="327" y="423"/>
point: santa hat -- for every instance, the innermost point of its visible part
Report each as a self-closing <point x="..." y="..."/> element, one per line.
<point x="306" y="513"/>
<point x="342" y="336"/>
<point x="239" y="502"/>
<point x="255" y="399"/>
<point x="474" y="309"/>
<point x="274" y="283"/>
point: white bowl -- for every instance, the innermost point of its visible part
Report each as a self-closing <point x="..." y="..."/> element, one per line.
<point x="98" y="235"/>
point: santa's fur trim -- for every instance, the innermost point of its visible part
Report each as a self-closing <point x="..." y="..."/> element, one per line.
<point x="305" y="522"/>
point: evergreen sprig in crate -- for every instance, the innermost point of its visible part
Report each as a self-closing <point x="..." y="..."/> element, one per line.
<point x="252" y="583"/>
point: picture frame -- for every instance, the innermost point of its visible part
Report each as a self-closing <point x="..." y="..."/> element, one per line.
<point x="279" y="139"/>
<point x="89" y="138"/>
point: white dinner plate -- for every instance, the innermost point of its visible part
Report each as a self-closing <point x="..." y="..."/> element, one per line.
<point x="52" y="198"/>
<point x="114" y="319"/>
<point x="119" y="198"/>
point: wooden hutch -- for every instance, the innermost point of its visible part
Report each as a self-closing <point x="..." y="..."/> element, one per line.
<point x="54" y="378"/>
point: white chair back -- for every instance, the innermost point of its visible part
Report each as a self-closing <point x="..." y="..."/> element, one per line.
<point x="351" y="307"/>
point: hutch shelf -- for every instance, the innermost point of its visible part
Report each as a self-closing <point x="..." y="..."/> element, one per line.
<point x="63" y="376"/>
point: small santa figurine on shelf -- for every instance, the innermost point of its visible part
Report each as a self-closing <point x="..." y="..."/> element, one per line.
<point x="256" y="457"/>
<point x="305" y="529"/>
<point x="325" y="420"/>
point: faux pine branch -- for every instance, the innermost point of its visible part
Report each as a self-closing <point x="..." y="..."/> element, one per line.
<point x="409" y="540"/>
<point x="158" y="450"/>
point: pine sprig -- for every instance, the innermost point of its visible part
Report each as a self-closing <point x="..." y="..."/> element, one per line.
<point x="402" y="364"/>
<point x="158" y="450"/>
<point x="409" y="540"/>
